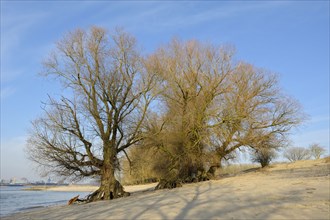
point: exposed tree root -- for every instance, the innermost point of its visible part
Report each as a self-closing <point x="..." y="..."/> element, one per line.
<point x="213" y="172"/>
<point x="116" y="191"/>
<point x="164" y="184"/>
<point x="170" y="184"/>
<point x="110" y="192"/>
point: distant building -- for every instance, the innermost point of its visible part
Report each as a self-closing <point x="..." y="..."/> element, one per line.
<point x="12" y="180"/>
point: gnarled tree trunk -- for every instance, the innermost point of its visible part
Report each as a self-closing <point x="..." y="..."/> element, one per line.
<point x="213" y="171"/>
<point x="110" y="188"/>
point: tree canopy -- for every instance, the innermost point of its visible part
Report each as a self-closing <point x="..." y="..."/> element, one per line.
<point x="190" y="102"/>
<point x="82" y="134"/>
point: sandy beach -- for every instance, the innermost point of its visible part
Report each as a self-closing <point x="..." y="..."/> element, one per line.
<point x="284" y="191"/>
<point x="69" y="188"/>
<point x="89" y="188"/>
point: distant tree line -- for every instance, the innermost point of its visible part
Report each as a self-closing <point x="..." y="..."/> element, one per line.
<point x="300" y="153"/>
<point x="265" y="155"/>
<point x="175" y="114"/>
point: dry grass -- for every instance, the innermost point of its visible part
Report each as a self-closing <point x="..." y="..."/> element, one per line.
<point x="327" y="159"/>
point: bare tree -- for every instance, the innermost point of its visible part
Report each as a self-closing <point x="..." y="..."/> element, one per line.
<point x="252" y="112"/>
<point x="108" y="94"/>
<point x="316" y="150"/>
<point x="296" y="153"/>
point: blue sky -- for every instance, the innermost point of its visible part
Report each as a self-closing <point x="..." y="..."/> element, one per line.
<point x="290" y="38"/>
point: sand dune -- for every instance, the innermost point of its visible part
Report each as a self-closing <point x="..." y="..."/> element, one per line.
<point x="285" y="191"/>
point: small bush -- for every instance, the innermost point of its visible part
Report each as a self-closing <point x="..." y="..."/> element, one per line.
<point x="263" y="156"/>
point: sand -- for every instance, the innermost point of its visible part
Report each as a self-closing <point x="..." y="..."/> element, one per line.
<point x="69" y="188"/>
<point x="88" y="188"/>
<point x="285" y="191"/>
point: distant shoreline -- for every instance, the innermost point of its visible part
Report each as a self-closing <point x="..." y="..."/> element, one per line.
<point x="32" y="184"/>
<point x="88" y="188"/>
<point x="63" y="188"/>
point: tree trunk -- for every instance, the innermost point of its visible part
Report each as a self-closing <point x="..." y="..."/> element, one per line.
<point x="213" y="172"/>
<point x="167" y="184"/>
<point x="189" y="173"/>
<point x="110" y="188"/>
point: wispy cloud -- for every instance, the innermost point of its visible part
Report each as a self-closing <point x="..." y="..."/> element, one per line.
<point x="320" y="119"/>
<point x="6" y="92"/>
<point x="14" y="29"/>
<point x="304" y="139"/>
<point x="9" y="76"/>
<point x="179" y="15"/>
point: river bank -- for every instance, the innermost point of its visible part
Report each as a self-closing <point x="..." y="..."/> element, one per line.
<point x="87" y="188"/>
<point x="68" y="188"/>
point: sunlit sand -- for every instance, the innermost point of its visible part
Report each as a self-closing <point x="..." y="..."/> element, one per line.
<point x="284" y="191"/>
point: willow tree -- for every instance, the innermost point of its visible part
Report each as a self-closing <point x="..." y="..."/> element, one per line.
<point x="192" y="77"/>
<point x="253" y="112"/>
<point x="107" y="95"/>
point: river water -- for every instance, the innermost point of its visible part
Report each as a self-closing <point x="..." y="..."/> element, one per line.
<point x="14" y="199"/>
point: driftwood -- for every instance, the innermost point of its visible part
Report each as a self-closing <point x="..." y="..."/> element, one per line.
<point x="75" y="199"/>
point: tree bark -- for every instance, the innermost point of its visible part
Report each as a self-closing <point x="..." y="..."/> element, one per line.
<point x="110" y="188"/>
<point x="213" y="172"/>
<point x="167" y="184"/>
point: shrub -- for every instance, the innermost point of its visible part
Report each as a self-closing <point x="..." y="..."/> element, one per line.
<point x="263" y="156"/>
